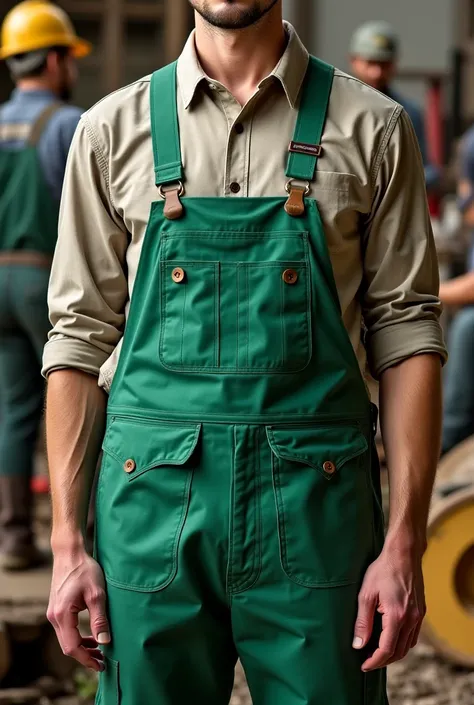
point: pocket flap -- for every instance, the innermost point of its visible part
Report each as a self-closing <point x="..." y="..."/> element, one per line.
<point x="141" y="445"/>
<point x="321" y="447"/>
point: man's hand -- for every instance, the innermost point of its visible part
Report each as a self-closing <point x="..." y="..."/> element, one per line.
<point x="393" y="586"/>
<point x="77" y="585"/>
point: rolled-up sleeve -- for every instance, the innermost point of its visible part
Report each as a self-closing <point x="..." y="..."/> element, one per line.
<point x="88" y="287"/>
<point x="400" y="300"/>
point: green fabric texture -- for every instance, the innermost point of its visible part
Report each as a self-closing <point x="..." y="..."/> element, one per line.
<point x="28" y="212"/>
<point x="238" y="503"/>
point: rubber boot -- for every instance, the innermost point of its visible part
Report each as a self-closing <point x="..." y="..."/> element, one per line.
<point x="17" y="549"/>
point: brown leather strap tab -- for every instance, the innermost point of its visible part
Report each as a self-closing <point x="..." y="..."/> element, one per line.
<point x="295" y="203"/>
<point x="173" y="207"/>
<point x="38" y="127"/>
<point x="26" y="258"/>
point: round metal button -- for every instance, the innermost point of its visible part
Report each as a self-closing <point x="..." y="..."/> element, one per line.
<point x="177" y="275"/>
<point x="235" y="187"/>
<point x="129" y="466"/>
<point x="329" y="467"/>
<point x="290" y="276"/>
<point x="239" y="128"/>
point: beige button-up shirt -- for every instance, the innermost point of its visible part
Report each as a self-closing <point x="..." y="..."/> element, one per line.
<point x="369" y="187"/>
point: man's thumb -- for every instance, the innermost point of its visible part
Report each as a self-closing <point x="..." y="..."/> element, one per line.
<point x="98" y="619"/>
<point x="364" y="623"/>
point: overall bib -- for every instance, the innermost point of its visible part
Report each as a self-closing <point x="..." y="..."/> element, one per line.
<point x="238" y="500"/>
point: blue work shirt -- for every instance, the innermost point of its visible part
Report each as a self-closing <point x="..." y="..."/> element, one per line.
<point x="467" y="175"/>
<point x="53" y="146"/>
<point x="416" y="116"/>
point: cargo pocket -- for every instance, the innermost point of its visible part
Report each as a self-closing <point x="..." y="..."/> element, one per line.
<point x="324" y="503"/>
<point x="109" y="686"/>
<point x="142" y="500"/>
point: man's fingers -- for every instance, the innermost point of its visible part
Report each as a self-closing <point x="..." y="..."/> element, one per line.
<point x="391" y="626"/>
<point x="84" y="657"/>
<point x="365" y="619"/>
<point x="97" y="612"/>
<point x="403" y="645"/>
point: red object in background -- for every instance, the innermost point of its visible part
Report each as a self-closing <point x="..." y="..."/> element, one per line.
<point x="434" y="133"/>
<point x="40" y="484"/>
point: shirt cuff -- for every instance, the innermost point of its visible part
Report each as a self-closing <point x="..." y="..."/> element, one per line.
<point x="395" y="343"/>
<point x="65" y="353"/>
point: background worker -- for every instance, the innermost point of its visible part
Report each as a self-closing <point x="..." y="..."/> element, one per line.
<point x="40" y="48"/>
<point x="374" y="53"/>
<point x="458" y="293"/>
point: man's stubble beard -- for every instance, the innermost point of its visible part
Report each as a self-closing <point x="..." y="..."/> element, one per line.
<point x="233" y="19"/>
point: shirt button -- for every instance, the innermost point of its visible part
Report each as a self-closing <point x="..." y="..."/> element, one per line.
<point x="329" y="468"/>
<point x="235" y="187"/>
<point x="239" y="128"/>
<point x="289" y="276"/>
<point x="129" y="466"/>
<point x="177" y="275"/>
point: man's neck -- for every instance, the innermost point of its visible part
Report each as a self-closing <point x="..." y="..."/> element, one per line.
<point x="33" y="84"/>
<point x="241" y="59"/>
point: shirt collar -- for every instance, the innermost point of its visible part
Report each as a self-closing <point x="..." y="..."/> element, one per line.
<point x="35" y="94"/>
<point x="290" y="70"/>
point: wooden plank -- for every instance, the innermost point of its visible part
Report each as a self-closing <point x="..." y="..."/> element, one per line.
<point x="177" y="25"/>
<point x="113" y="43"/>
<point x="94" y="9"/>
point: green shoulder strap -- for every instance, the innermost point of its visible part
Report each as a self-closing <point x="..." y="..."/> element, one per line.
<point x="306" y="145"/>
<point x="165" y="127"/>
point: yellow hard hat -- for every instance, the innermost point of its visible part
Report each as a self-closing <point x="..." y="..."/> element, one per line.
<point x="38" y="24"/>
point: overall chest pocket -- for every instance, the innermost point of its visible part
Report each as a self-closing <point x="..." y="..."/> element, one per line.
<point x="246" y="309"/>
<point x="142" y="501"/>
<point x="324" y="501"/>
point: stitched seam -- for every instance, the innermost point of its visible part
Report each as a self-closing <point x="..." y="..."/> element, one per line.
<point x="216" y="314"/>
<point x="384" y="144"/>
<point x="246" y="582"/>
<point x="231" y="520"/>
<point x="182" y="322"/>
<point x="258" y="540"/>
<point x="99" y="155"/>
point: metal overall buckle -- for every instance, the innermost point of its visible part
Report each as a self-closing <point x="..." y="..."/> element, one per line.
<point x="295" y="203"/>
<point x="173" y="207"/>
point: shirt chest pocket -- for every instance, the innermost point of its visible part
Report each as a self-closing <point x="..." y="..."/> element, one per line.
<point x="246" y="311"/>
<point x="340" y="200"/>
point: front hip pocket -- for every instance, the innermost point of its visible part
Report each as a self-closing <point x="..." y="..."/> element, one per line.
<point x="108" y="692"/>
<point x="324" y="502"/>
<point x="142" y="500"/>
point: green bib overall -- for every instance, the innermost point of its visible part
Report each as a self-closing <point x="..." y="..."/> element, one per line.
<point x="28" y="212"/>
<point x="238" y="499"/>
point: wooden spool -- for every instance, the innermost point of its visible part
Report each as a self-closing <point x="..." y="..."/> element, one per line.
<point x="448" y="567"/>
<point x="456" y="468"/>
<point x="5" y="652"/>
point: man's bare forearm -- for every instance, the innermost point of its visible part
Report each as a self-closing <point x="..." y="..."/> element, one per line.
<point x="75" y="418"/>
<point x="410" y="405"/>
<point x="459" y="291"/>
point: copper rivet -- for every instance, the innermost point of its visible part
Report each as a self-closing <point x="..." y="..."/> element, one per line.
<point x="290" y="276"/>
<point x="177" y="275"/>
<point x="129" y="466"/>
<point x="329" y="467"/>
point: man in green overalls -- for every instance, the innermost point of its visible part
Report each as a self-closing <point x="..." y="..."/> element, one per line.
<point x="256" y="205"/>
<point x="40" y="47"/>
